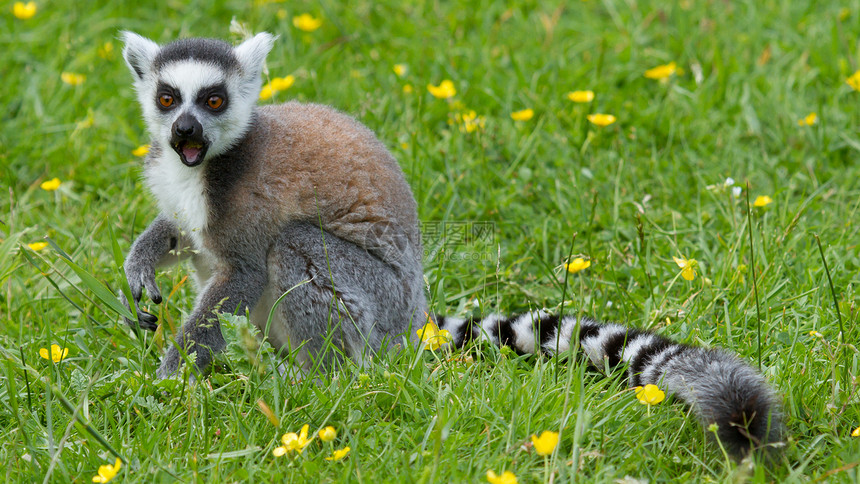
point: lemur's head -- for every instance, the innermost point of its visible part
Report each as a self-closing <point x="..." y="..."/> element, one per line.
<point x="198" y="95"/>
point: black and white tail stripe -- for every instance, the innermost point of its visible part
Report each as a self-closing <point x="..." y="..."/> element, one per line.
<point x="719" y="386"/>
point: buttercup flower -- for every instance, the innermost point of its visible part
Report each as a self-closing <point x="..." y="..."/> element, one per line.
<point x="507" y="477"/>
<point x="328" y="434"/>
<point x="105" y="51"/>
<point x="50" y="185"/>
<point x="266" y="92"/>
<point x="650" y="394"/>
<point x="37" y="246"/>
<point x="808" y="120"/>
<point x="57" y="354"/>
<point x="298" y="442"/>
<point x="307" y="22"/>
<point x="688" y="267"/>
<point x="546" y="443"/>
<point x="72" y="78"/>
<point x="445" y="90"/>
<point x="339" y="454"/>
<point x="762" y="200"/>
<point x="581" y="96"/>
<point x="523" y="115"/>
<point x="23" y="10"/>
<point x="283" y="83"/>
<point x="577" y="265"/>
<point x="856" y="432"/>
<point x="141" y="150"/>
<point x="469" y="121"/>
<point x="276" y="85"/>
<point x="407" y="89"/>
<point x="661" y="72"/>
<point x="601" y="119"/>
<point x="400" y="69"/>
<point x="108" y="472"/>
<point x="433" y="336"/>
<point x="854" y="81"/>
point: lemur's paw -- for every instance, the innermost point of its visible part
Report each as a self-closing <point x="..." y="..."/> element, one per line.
<point x="145" y="320"/>
<point x="142" y="276"/>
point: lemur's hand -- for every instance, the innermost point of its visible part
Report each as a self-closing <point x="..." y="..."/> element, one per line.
<point x="141" y="276"/>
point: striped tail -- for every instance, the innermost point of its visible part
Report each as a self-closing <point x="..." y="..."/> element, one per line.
<point x="719" y="386"/>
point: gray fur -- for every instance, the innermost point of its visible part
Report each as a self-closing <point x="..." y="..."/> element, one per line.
<point x="720" y="387"/>
<point x="301" y="195"/>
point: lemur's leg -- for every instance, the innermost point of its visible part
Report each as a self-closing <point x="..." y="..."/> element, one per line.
<point x="346" y="297"/>
<point x="150" y="250"/>
<point x="232" y="290"/>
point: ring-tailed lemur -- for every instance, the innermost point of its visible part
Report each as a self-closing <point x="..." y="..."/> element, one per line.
<point x="302" y="200"/>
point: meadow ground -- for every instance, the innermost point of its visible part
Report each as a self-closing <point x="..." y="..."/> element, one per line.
<point x="504" y="203"/>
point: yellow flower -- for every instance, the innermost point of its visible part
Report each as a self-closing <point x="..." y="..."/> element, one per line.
<point x="328" y="434"/>
<point x="856" y="432"/>
<point x="577" y="265"/>
<point x="400" y="69"/>
<point x="50" y="185"/>
<point x="407" y="89"/>
<point x="37" y="246"/>
<point x="581" y="96"/>
<point x="546" y="443"/>
<point x="307" y="22"/>
<point x="23" y="10"/>
<point x="283" y="83"/>
<point x="56" y="354"/>
<point x="816" y="334"/>
<point x="339" y="454"/>
<point x="688" y="267"/>
<point x="601" y="119"/>
<point x="73" y="79"/>
<point x="507" y="477"/>
<point x="298" y="442"/>
<point x="469" y="121"/>
<point x="108" y="472"/>
<point x="433" y="336"/>
<point x="661" y="72"/>
<point x="279" y="451"/>
<point x="266" y="92"/>
<point x="445" y="90"/>
<point x="105" y="51"/>
<point x="650" y="394"/>
<point x="762" y="200"/>
<point x="854" y="81"/>
<point x="141" y="150"/>
<point x="276" y="85"/>
<point x="524" y="115"/>
<point x="808" y="120"/>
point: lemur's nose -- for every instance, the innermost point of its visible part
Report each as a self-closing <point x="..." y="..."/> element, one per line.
<point x="186" y="126"/>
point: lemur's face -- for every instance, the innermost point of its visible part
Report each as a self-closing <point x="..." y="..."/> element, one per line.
<point x="197" y="94"/>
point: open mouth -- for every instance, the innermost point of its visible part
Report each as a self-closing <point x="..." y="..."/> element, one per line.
<point x="191" y="152"/>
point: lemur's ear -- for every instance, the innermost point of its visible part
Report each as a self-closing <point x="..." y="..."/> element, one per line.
<point x="252" y="53"/>
<point x="139" y="52"/>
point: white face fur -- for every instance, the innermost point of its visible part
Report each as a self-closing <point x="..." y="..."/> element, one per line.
<point x="192" y="81"/>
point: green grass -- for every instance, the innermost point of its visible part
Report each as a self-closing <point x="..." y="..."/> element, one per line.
<point x="630" y="196"/>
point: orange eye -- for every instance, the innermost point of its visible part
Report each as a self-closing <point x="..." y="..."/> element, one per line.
<point x="215" y="102"/>
<point x="166" y="100"/>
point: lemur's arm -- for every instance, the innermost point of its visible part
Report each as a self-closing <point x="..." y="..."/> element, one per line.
<point x="150" y="250"/>
<point x="234" y="291"/>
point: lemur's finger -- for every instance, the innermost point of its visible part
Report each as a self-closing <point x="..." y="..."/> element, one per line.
<point x="152" y="289"/>
<point x="147" y="320"/>
<point x="135" y="283"/>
